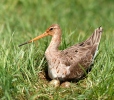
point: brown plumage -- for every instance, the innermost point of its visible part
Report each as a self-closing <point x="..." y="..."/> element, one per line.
<point x="72" y="62"/>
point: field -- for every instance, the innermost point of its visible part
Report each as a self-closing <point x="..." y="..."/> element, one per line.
<point x="21" y="67"/>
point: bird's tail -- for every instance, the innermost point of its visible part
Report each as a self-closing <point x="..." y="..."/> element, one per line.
<point x="94" y="41"/>
<point x="95" y="37"/>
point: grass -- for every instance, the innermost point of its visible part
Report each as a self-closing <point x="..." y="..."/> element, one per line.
<point x="20" y="68"/>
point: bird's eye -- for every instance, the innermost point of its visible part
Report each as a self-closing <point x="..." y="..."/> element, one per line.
<point x="51" y="29"/>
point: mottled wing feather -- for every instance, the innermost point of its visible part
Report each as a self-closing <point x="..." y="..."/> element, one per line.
<point x="79" y="60"/>
<point x="80" y="56"/>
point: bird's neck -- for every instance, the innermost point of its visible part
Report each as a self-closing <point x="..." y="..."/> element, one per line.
<point x="55" y="43"/>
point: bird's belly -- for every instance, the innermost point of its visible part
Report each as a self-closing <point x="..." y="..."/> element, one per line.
<point x="56" y="69"/>
<point x="52" y="73"/>
<point x="60" y="72"/>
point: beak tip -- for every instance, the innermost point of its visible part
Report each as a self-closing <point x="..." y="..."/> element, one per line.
<point x="19" y="45"/>
<point x="23" y="44"/>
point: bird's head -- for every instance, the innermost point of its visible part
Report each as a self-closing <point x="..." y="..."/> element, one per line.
<point x="52" y="30"/>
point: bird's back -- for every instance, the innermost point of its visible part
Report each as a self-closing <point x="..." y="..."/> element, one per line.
<point x="80" y="56"/>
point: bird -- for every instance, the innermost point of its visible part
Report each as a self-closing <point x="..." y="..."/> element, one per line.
<point x="72" y="62"/>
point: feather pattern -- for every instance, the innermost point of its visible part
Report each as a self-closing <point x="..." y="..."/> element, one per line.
<point x="83" y="55"/>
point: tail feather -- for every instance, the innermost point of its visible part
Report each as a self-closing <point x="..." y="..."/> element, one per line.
<point x="95" y="38"/>
<point x="94" y="41"/>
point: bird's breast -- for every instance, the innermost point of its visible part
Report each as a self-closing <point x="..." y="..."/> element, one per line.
<point x="56" y="69"/>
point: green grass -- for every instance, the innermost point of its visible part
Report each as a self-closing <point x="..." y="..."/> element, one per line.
<point x="21" y="20"/>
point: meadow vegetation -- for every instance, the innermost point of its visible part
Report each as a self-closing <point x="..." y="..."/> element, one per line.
<point x="21" y="67"/>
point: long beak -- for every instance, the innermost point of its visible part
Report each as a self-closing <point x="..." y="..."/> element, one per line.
<point x="36" y="38"/>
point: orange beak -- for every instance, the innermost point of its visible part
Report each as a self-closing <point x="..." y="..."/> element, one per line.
<point x="36" y="38"/>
